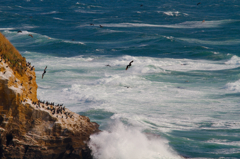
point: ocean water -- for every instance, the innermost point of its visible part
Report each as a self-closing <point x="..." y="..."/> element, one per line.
<point x="179" y="98"/>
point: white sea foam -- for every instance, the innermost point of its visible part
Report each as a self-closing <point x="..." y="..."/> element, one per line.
<point x="224" y="142"/>
<point x="57" y="18"/>
<point x="52" y="12"/>
<point x="210" y="42"/>
<point x="233" y="86"/>
<point x="122" y="142"/>
<point x="74" y="42"/>
<point x="171" y="13"/>
<point x="187" y="24"/>
<point x="7" y="28"/>
<point x="235" y="60"/>
<point x="86" y="11"/>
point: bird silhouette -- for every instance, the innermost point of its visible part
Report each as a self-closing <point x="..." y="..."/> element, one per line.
<point x="130" y="64"/>
<point x="199" y="3"/>
<point x="44" y="72"/>
<point x="30" y="35"/>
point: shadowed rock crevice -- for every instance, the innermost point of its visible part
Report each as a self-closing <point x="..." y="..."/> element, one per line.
<point x="9" y="138"/>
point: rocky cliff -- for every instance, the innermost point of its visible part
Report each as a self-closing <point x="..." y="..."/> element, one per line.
<point x="30" y="128"/>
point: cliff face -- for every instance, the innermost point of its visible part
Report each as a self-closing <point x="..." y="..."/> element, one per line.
<point x="30" y="128"/>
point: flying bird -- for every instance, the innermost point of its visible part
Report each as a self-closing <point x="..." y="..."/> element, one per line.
<point x="108" y="65"/>
<point x="30" y="35"/>
<point x="44" y="72"/>
<point x="19" y="31"/>
<point x="100" y="26"/>
<point x="130" y="64"/>
<point x="199" y="3"/>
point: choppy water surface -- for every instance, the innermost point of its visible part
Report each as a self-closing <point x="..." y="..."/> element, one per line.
<point x="179" y="98"/>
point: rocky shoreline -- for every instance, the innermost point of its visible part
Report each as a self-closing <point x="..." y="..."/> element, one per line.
<point x="30" y="128"/>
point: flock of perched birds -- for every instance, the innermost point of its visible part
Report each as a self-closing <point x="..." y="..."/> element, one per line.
<point x="58" y="109"/>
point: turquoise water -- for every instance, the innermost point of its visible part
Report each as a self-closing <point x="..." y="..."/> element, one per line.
<point x="179" y="98"/>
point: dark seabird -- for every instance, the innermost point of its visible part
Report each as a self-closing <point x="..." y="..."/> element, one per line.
<point x="100" y="26"/>
<point x="19" y="31"/>
<point x="130" y="64"/>
<point x="44" y="72"/>
<point x="199" y="3"/>
<point x="30" y="35"/>
<point x="92" y="24"/>
<point x="141" y="5"/>
<point x="108" y="65"/>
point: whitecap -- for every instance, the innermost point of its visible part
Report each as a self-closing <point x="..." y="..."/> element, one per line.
<point x="171" y="13"/>
<point x="233" y="86"/>
<point x="235" y="60"/>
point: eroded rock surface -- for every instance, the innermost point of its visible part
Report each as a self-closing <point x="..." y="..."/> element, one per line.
<point x="30" y="128"/>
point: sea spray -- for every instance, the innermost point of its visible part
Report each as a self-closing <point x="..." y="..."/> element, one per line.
<point x="126" y="142"/>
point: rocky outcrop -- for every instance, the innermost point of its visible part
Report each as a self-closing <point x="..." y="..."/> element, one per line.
<point x="30" y="128"/>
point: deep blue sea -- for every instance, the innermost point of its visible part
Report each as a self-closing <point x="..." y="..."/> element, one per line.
<point x="179" y="98"/>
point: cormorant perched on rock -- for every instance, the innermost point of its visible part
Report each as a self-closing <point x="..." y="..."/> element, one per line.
<point x="44" y="72"/>
<point x="30" y="35"/>
<point x="130" y="64"/>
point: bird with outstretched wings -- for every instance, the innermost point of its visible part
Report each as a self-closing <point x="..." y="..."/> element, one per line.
<point x="44" y="72"/>
<point x="130" y="64"/>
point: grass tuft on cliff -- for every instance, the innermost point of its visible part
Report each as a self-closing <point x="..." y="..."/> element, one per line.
<point x="10" y="54"/>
